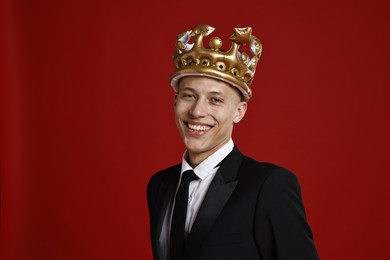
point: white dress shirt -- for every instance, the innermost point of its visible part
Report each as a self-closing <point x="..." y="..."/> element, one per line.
<point x="197" y="190"/>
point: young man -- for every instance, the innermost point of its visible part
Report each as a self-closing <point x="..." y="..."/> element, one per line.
<point x="219" y="204"/>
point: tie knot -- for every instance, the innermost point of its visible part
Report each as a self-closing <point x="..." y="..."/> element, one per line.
<point x="188" y="176"/>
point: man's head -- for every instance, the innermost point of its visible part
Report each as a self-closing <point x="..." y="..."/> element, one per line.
<point x="212" y="87"/>
<point x="205" y="111"/>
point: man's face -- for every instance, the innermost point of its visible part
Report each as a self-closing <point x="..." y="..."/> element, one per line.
<point x="205" y="111"/>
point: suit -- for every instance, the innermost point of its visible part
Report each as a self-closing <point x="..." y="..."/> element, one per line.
<point x="252" y="211"/>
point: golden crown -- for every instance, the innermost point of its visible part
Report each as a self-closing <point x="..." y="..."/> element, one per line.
<point x="233" y="67"/>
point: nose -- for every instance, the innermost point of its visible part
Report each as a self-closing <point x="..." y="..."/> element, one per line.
<point x="199" y="109"/>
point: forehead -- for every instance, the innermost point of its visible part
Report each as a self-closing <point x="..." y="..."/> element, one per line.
<point x="206" y="85"/>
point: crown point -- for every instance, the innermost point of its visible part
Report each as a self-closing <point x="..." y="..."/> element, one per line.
<point x="203" y="29"/>
<point x="215" y="43"/>
<point x="241" y="35"/>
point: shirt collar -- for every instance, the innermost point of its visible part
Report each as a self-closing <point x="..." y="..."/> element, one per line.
<point x="209" y="164"/>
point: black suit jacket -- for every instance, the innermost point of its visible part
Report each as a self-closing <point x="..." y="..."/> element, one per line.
<point x="252" y="210"/>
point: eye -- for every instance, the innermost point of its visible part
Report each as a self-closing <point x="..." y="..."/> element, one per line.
<point x="216" y="100"/>
<point x="187" y="96"/>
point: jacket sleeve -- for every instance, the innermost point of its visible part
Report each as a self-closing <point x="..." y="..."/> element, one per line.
<point x="281" y="228"/>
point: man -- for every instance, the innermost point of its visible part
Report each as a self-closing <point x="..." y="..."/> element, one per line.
<point x="219" y="204"/>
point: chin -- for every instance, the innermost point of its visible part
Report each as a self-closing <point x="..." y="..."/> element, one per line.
<point x="195" y="148"/>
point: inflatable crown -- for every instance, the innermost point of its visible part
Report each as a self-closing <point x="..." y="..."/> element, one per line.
<point x="232" y="66"/>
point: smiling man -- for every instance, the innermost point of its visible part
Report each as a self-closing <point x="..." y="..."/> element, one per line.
<point x="219" y="204"/>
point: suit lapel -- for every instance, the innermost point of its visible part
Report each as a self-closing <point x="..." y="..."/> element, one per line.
<point x="217" y="195"/>
<point x="165" y="193"/>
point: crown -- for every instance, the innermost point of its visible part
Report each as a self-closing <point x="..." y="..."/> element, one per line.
<point x="232" y="66"/>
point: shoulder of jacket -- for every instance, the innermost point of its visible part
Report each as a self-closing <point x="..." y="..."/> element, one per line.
<point x="167" y="172"/>
<point x="251" y="165"/>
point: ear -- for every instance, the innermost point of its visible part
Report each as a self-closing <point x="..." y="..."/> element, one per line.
<point x="174" y="101"/>
<point x="240" y="111"/>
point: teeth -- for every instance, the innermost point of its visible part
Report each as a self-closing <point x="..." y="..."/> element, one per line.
<point x="198" y="127"/>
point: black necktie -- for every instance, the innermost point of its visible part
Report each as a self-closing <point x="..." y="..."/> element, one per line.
<point x="179" y="216"/>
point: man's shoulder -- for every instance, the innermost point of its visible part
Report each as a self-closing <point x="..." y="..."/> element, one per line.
<point x="174" y="168"/>
<point x="169" y="172"/>
<point x="252" y="166"/>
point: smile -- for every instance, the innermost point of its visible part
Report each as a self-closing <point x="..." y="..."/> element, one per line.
<point x="198" y="127"/>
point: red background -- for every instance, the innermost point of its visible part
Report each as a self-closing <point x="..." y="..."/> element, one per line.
<point x="86" y="118"/>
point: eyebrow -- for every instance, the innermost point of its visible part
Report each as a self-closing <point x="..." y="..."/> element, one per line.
<point x="217" y="93"/>
<point x="193" y="90"/>
<point x="186" y="88"/>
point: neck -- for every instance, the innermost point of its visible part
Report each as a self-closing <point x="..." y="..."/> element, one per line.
<point x="194" y="159"/>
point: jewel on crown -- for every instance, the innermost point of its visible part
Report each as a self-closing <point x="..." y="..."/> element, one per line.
<point x="231" y="66"/>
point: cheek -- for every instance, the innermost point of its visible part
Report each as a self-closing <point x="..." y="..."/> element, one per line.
<point x="180" y="106"/>
<point x="178" y="110"/>
<point x="225" y="116"/>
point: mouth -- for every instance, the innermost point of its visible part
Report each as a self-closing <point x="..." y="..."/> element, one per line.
<point x="198" y="128"/>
